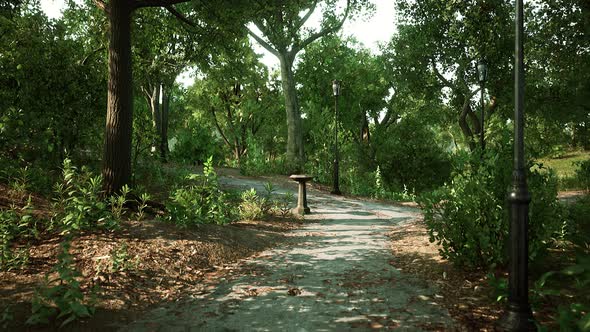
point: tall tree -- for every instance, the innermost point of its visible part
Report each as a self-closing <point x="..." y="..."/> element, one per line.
<point x="282" y="24"/>
<point x="439" y="44"/>
<point x="163" y="50"/>
<point x="119" y="122"/>
<point x="234" y="97"/>
<point x="558" y="65"/>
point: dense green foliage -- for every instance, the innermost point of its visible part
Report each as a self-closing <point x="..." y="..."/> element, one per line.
<point x="468" y="217"/>
<point x="201" y="201"/>
<point x="407" y="129"/>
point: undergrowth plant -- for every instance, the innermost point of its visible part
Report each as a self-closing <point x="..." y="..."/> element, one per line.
<point x="251" y="207"/>
<point x="254" y="206"/>
<point x="583" y="174"/>
<point x="118" y="201"/>
<point x="61" y="295"/>
<point x="19" y="183"/>
<point x="78" y="203"/>
<point x="119" y="260"/>
<point x="468" y="217"/>
<point x="201" y="202"/>
<point x="572" y="317"/>
<point x="15" y="223"/>
<point x="142" y="205"/>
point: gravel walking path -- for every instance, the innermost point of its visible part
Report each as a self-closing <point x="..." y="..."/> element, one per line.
<point x="334" y="275"/>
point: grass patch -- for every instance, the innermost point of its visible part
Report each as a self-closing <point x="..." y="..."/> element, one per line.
<point x="565" y="167"/>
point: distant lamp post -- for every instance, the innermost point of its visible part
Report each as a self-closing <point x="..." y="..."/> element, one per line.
<point x="482" y="70"/>
<point x="518" y="315"/>
<point x="336" y="90"/>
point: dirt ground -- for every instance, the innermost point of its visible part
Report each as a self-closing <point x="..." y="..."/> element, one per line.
<point x="161" y="263"/>
<point x="164" y="263"/>
<point x="467" y="294"/>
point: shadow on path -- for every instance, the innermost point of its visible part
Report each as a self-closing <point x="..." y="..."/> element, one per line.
<point x="335" y="275"/>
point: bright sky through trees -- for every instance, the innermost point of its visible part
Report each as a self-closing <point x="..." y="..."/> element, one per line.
<point x="378" y="28"/>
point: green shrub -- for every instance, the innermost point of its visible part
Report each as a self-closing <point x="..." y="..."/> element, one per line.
<point x="201" y="202"/>
<point x="583" y="173"/>
<point x="409" y="156"/>
<point x="578" y="221"/>
<point x="78" y="202"/>
<point x="63" y="295"/>
<point x="142" y="204"/>
<point x="469" y="216"/>
<point x="258" y="161"/>
<point x="194" y="144"/>
<point x="252" y="206"/>
<point x="15" y="223"/>
<point x="283" y="204"/>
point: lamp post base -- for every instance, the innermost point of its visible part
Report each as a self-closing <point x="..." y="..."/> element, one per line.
<point x="336" y="192"/>
<point x="516" y="318"/>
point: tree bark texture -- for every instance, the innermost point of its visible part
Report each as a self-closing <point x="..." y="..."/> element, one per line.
<point x="164" y="112"/>
<point x="294" y="124"/>
<point x="116" y="170"/>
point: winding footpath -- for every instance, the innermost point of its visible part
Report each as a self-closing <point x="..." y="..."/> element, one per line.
<point x="334" y="275"/>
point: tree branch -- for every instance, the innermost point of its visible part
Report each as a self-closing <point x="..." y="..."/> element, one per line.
<point x="101" y="5"/>
<point x="181" y="17"/>
<point x="313" y="37"/>
<point x="83" y="62"/>
<point x="304" y="19"/>
<point x="212" y="110"/>
<point x="154" y="3"/>
<point x="263" y="43"/>
<point x="446" y="82"/>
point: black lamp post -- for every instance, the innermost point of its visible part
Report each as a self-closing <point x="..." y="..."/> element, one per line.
<point x="518" y="315"/>
<point x="482" y="70"/>
<point x="336" y="90"/>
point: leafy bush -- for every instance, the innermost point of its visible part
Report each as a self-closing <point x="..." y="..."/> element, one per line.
<point x="200" y="203"/>
<point x="572" y="317"/>
<point x="63" y="295"/>
<point x="14" y="223"/>
<point x="283" y="204"/>
<point x="78" y="203"/>
<point x="578" y="222"/>
<point x="252" y="206"/>
<point x="142" y="204"/>
<point x="469" y="216"/>
<point x="119" y="260"/>
<point x="408" y="156"/>
<point x="583" y="173"/>
<point x="258" y="161"/>
<point x="194" y="144"/>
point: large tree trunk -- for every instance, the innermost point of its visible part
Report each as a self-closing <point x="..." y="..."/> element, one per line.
<point x="164" y="112"/>
<point x="294" y="127"/>
<point x="116" y="170"/>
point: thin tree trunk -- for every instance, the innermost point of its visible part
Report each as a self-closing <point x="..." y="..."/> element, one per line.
<point x="465" y="126"/>
<point x="116" y="170"/>
<point x="294" y="126"/>
<point x="153" y="99"/>
<point x="164" y="112"/>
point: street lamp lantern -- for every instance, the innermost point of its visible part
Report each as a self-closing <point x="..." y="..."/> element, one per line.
<point x="482" y="70"/>
<point x="336" y="90"/>
<point x="336" y="87"/>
